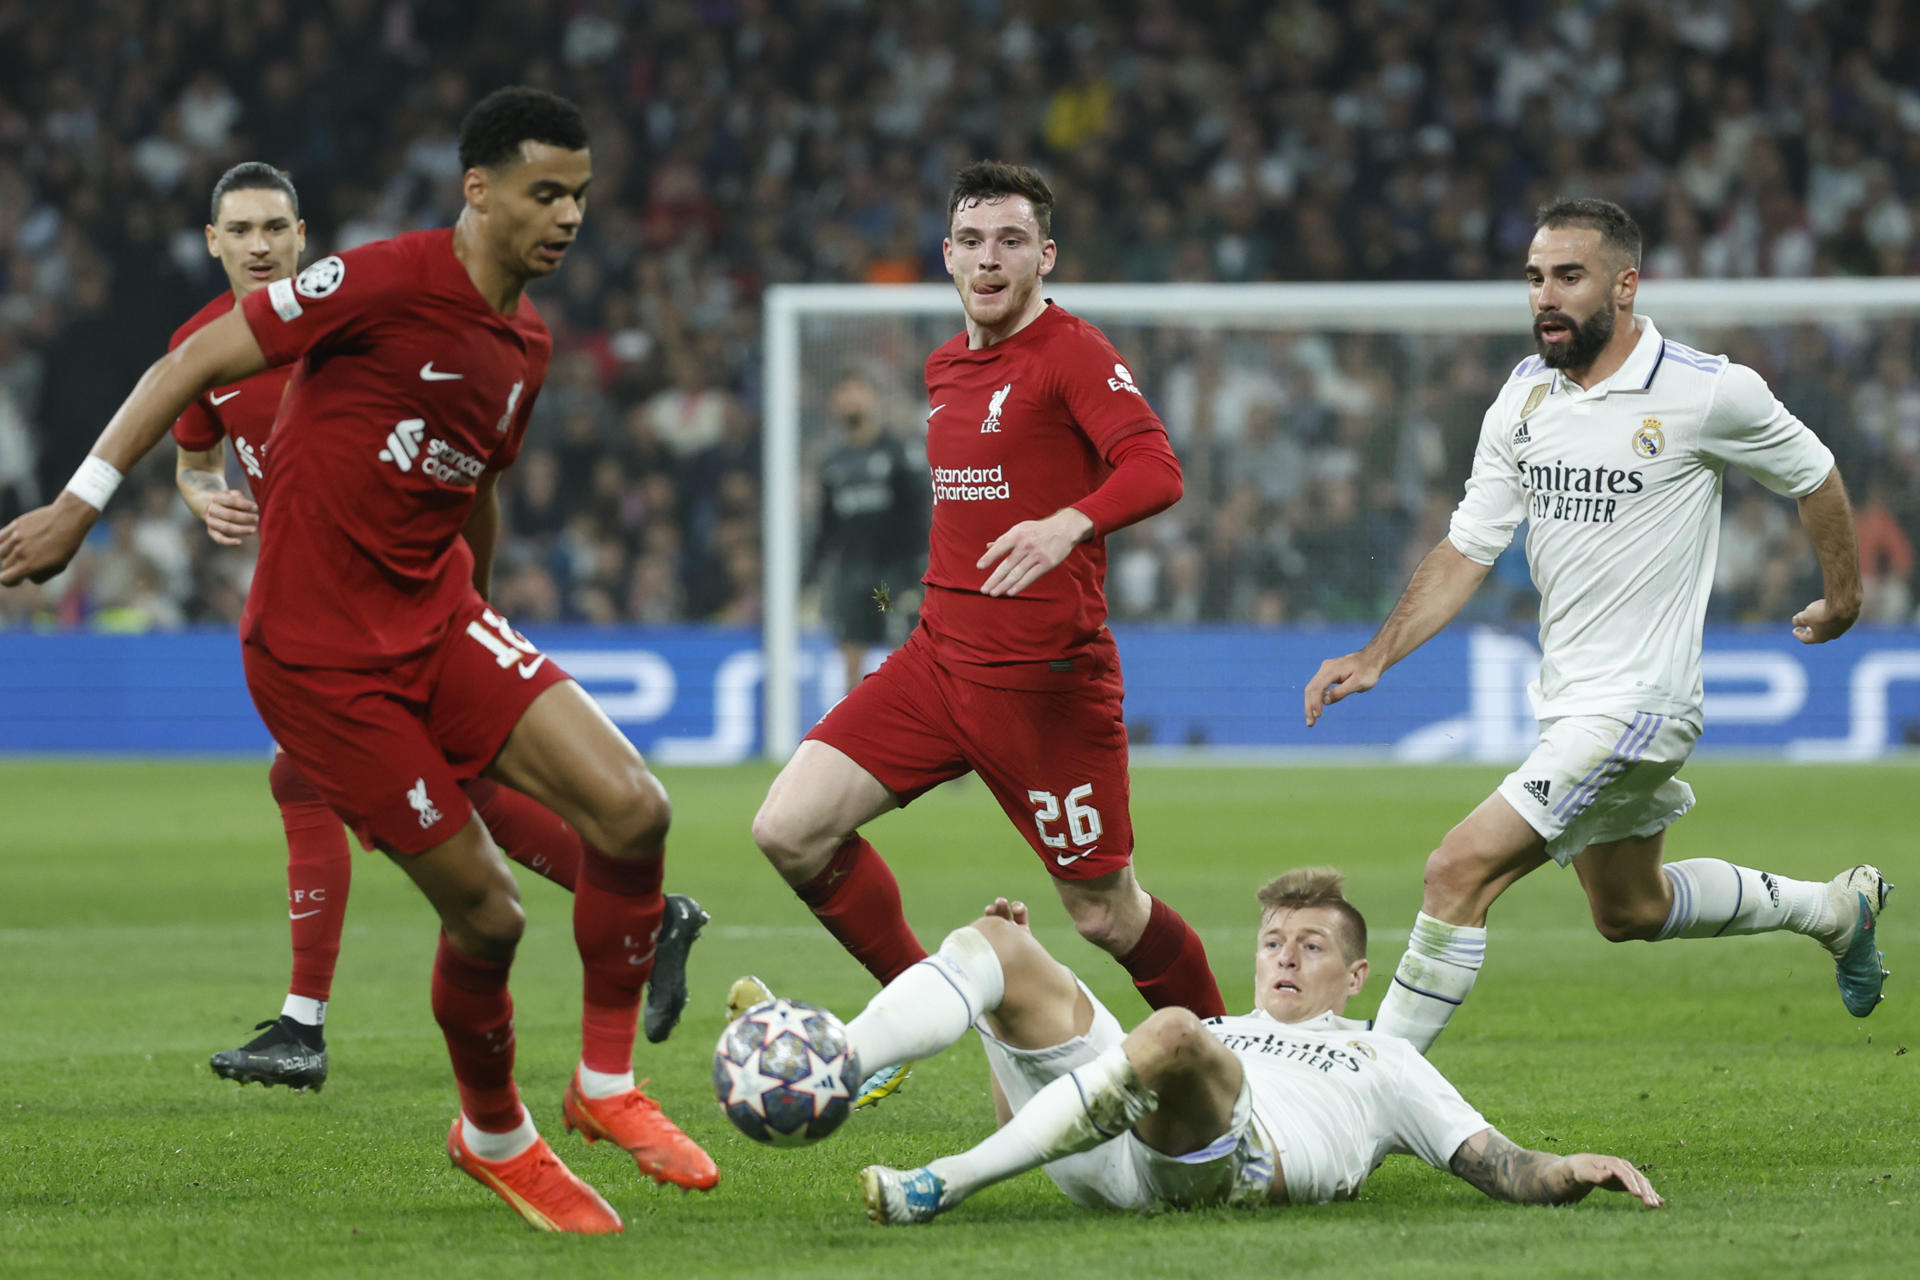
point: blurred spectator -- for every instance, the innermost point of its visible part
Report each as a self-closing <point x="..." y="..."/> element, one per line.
<point x="743" y="144"/>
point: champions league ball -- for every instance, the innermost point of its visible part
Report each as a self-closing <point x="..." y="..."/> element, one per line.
<point x="783" y="1073"/>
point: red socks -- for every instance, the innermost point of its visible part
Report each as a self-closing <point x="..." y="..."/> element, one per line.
<point x="319" y="869"/>
<point x="475" y="1013"/>
<point x="617" y="906"/>
<point x="857" y="898"/>
<point x="1169" y="965"/>
<point x="527" y="831"/>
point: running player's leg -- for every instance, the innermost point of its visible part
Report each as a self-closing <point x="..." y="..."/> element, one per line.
<point x="527" y="831"/>
<point x="291" y="1049"/>
<point x="1056" y="761"/>
<point x="566" y="754"/>
<point x="1476" y="862"/>
<point x="881" y="746"/>
<point x="1635" y="896"/>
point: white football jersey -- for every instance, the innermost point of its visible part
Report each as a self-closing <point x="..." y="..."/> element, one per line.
<point x="1334" y="1099"/>
<point x="1620" y="487"/>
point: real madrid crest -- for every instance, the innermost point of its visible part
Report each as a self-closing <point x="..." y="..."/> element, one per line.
<point x="1649" y="440"/>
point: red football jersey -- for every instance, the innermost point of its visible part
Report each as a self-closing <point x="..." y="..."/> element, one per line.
<point x="1016" y="431"/>
<point x="409" y="387"/>
<point x="242" y="413"/>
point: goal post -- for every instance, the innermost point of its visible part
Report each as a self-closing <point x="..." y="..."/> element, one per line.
<point x="811" y="330"/>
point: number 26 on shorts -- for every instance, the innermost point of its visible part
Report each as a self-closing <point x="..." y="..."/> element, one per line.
<point x="1083" y="820"/>
<point x="507" y="645"/>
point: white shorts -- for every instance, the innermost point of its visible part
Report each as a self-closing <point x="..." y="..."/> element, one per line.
<point x="1126" y="1173"/>
<point x="1598" y="778"/>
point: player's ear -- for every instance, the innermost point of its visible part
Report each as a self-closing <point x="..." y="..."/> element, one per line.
<point x="1048" y="252"/>
<point x="213" y="242"/>
<point x="473" y="185"/>
<point x="1626" y="286"/>
<point x="1357" y="975"/>
<point x="946" y="251"/>
<point x="300" y="236"/>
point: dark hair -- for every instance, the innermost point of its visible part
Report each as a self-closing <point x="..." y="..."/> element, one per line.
<point x="1615" y="225"/>
<point x="253" y="175"/>
<point x="496" y="126"/>
<point x="1318" y="887"/>
<point x="992" y="180"/>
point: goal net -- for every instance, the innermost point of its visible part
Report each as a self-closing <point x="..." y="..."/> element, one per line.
<point x="1326" y="432"/>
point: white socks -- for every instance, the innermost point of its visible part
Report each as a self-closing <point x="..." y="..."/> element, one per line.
<point x="498" y="1146"/>
<point x="604" y="1084"/>
<point x="1712" y="899"/>
<point x="1434" y="977"/>
<point x="931" y="1005"/>
<point x="1074" y="1113"/>
<point x="306" y="1010"/>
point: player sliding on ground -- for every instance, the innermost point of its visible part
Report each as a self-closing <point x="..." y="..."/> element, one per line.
<point x="1288" y="1104"/>
<point x="257" y="235"/>
<point x="369" y="647"/>
<point x="1611" y="444"/>
<point x="1041" y="444"/>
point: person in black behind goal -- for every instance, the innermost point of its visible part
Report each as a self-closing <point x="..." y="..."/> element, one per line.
<point x="871" y="546"/>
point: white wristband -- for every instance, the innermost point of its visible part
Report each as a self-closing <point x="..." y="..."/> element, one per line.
<point x="95" y="482"/>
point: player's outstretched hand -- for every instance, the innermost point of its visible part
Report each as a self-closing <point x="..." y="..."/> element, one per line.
<point x="1820" y="622"/>
<point x="1013" y="912"/>
<point x="1032" y="549"/>
<point x="1611" y="1173"/>
<point x="1338" y="678"/>
<point x="39" y="544"/>
<point x="231" y="517"/>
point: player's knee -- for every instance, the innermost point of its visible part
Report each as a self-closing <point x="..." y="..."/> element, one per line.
<point x="636" y="825"/>
<point x="1453" y="875"/>
<point x="785" y="839"/>
<point x="1096" y="920"/>
<point x="1171" y="1042"/>
<point x="1628" y="921"/>
<point x="490" y="927"/>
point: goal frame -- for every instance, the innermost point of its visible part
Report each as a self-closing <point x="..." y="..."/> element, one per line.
<point x="1478" y="307"/>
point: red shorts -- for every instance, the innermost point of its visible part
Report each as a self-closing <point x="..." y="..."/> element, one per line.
<point x="389" y="749"/>
<point x="1055" y="760"/>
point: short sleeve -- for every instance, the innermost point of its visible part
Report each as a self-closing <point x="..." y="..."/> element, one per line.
<point x="1433" y="1118"/>
<point x="326" y="305"/>
<point x="1495" y="500"/>
<point x="1748" y="427"/>
<point x="1100" y="391"/>
<point x="197" y="429"/>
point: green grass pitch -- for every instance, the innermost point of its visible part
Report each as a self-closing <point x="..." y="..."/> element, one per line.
<point x="142" y="927"/>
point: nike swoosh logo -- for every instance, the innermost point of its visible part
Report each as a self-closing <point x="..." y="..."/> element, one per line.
<point x="937" y="408"/>
<point x="528" y="668"/>
<point x="1067" y="860"/>
<point x="430" y="374"/>
<point x="302" y="915"/>
<point x="223" y="399"/>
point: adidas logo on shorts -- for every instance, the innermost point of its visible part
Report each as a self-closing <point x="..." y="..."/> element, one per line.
<point x="1538" y="789"/>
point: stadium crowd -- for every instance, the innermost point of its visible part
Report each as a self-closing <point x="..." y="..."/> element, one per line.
<point x="743" y="143"/>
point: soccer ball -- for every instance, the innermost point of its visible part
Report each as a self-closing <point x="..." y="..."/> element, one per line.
<point x="783" y="1073"/>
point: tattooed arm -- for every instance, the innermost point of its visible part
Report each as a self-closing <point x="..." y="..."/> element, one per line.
<point x="1508" y="1172"/>
<point x="202" y="479"/>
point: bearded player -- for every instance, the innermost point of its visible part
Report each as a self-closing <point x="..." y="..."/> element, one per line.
<point x="1040" y="445"/>
<point x="257" y="236"/>
<point x="1612" y="444"/>
<point x="369" y="648"/>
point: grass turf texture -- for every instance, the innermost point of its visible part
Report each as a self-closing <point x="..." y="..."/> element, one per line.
<point x="142" y="927"/>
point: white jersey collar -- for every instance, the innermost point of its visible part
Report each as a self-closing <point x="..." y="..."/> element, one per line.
<point x="1328" y="1021"/>
<point x="1635" y="375"/>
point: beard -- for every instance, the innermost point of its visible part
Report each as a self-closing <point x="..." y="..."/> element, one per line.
<point x="1584" y="341"/>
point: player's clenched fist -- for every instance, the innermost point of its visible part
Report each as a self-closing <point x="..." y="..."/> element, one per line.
<point x="1336" y="679"/>
<point x="231" y="516"/>
<point x="1821" y="621"/>
<point x="39" y="544"/>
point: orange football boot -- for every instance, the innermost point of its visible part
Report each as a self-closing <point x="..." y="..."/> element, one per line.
<point x="540" y="1188"/>
<point x="635" y="1123"/>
